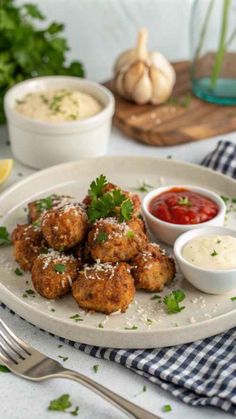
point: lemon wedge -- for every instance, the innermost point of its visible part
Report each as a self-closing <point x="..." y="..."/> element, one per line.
<point x="5" y="169"/>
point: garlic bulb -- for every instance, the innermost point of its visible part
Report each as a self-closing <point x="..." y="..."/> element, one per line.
<point x="142" y="76"/>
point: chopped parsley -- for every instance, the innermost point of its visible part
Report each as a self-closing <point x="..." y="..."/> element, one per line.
<point x="184" y="201"/>
<point x="214" y="253"/>
<point x="4" y="236"/>
<point x="131" y="328"/>
<point x="60" y="268"/>
<point x="225" y="198"/>
<point x="76" y="318"/>
<point x="60" y="346"/>
<point x="126" y="210"/>
<point x="18" y="272"/>
<point x="44" y="204"/>
<point x="144" y="187"/>
<point x="102" y="237"/>
<point x="64" y="358"/>
<point x="62" y="404"/>
<point x="28" y="292"/>
<point x="233" y="298"/>
<point x="3" y="368"/>
<point x="130" y="234"/>
<point x="144" y="388"/>
<point x="233" y="200"/>
<point x="156" y="297"/>
<point x="172" y="301"/>
<point x="218" y="241"/>
<point x="167" y="408"/>
<point x="101" y="326"/>
<point x="95" y="368"/>
<point x="53" y="310"/>
<point x="36" y="223"/>
<point x="149" y="322"/>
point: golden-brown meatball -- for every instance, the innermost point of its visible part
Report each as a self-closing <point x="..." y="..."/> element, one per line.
<point x="53" y="274"/>
<point x="104" y="287"/>
<point x="64" y="227"/>
<point x="152" y="268"/>
<point x="37" y="208"/>
<point x="109" y="187"/>
<point x="28" y="243"/>
<point x="111" y="241"/>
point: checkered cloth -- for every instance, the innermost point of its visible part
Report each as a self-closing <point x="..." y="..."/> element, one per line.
<point x="202" y="373"/>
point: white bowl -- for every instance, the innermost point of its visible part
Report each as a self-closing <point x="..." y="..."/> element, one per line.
<point x="208" y="280"/>
<point x="168" y="232"/>
<point x="40" y="144"/>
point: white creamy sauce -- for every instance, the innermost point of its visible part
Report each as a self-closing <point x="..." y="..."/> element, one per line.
<point x="211" y="252"/>
<point x="58" y="105"/>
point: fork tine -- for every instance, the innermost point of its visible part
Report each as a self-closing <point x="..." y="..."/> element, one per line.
<point x="5" y="361"/>
<point x="7" y="352"/>
<point x="17" y="341"/>
<point x="21" y="354"/>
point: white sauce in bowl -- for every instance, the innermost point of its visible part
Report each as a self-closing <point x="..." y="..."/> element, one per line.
<point x="58" y="105"/>
<point x="211" y="252"/>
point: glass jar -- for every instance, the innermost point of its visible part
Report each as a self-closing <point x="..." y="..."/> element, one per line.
<point x="213" y="48"/>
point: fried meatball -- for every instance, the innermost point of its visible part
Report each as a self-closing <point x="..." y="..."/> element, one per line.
<point x="152" y="268"/>
<point x="53" y="274"/>
<point x="111" y="241"/>
<point x="37" y="208"/>
<point x="28" y="243"/>
<point x="104" y="287"/>
<point x="109" y="187"/>
<point x="64" y="227"/>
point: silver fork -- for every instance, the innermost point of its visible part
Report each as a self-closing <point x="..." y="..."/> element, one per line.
<point x="28" y="363"/>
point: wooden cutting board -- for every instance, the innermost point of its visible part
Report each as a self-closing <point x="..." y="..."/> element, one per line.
<point x="183" y="119"/>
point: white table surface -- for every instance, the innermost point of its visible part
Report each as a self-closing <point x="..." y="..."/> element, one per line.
<point x="26" y="400"/>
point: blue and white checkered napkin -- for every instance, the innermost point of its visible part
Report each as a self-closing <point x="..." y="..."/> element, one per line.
<point x="202" y="373"/>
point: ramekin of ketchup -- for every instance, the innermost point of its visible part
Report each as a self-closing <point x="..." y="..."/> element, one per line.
<point x="170" y="211"/>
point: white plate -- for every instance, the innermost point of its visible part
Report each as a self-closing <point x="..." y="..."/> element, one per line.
<point x="204" y="315"/>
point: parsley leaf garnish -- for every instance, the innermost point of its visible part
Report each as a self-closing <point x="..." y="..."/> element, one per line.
<point x="225" y="198"/>
<point x="184" y="201"/>
<point x="95" y="368"/>
<point x="44" y="204"/>
<point x="102" y="237"/>
<point x="144" y="187"/>
<point x="106" y="206"/>
<point x="131" y="328"/>
<point x="4" y="236"/>
<point x="130" y="234"/>
<point x="126" y="210"/>
<point x="75" y="411"/>
<point x="18" y="272"/>
<point x="96" y="187"/>
<point x="61" y="404"/>
<point x="3" y="368"/>
<point x="214" y="253"/>
<point x="59" y="267"/>
<point x="233" y="298"/>
<point x="156" y="297"/>
<point x="76" y="318"/>
<point x="167" y="408"/>
<point x="64" y="358"/>
<point x="172" y="301"/>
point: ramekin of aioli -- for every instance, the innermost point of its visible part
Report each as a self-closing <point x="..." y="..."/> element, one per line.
<point x="207" y="258"/>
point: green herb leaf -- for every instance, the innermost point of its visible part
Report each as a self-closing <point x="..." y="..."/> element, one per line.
<point x="184" y="201"/>
<point x="4" y="237"/>
<point x="144" y="187"/>
<point x="44" y="204"/>
<point x="172" y="301"/>
<point x="225" y="198"/>
<point x="3" y="368"/>
<point x="167" y="408"/>
<point x="33" y="11"/>
<point x="156" y="297"/>
<point x="233" y="298"/>
<point x="76" y="317"/>
<point x="214" y="253"/>
<point x="130" y="234"/>
<point x="96" y="187"/>
<point x="100" y="325"/>
<point x="30" y="292"/>
<point x="102" y="237"/>
<point x="59" y="267"/>
<point x="64" y="358"/>
<point x="75" y="411"/>
<point x="126" y="210"/>
<point x="131" y="328"/>
<point x="18" y="272"/>
<point x="61" y="404"/>
<point x="144" y="388"/>
<point x="95" y="368"/>
<point x="233" y="200"/>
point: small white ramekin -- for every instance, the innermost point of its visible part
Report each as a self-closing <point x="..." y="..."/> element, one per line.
<point x="207" y="280"/>
<point x="168" y="232"/>
<point x="41" y="144"/>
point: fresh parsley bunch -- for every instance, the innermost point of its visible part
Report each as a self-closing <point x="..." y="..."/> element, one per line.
<point x="108" y="204"/>
<point x="26" y="51"/>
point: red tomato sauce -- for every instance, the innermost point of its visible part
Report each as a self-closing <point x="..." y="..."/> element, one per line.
<point x="182" y="206"/>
